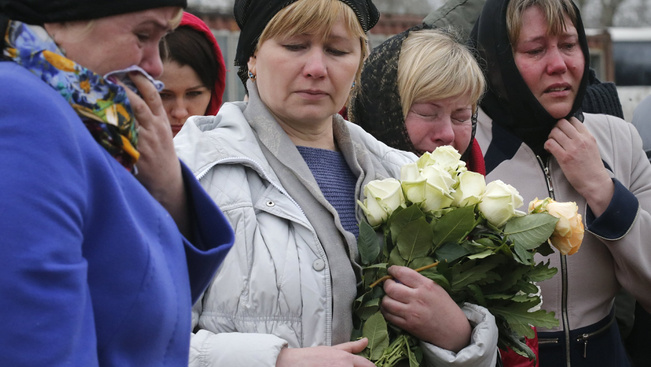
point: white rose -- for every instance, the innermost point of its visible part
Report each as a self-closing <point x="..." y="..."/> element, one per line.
<point x="413" y="183"/>
<point x="436" y="198"/>
<point x="445" y="157"/>
<point x="471" y="188"/>
<point x="382" y="198"/>
<point x="500" y="202"/>
<point x="438" y="189"/>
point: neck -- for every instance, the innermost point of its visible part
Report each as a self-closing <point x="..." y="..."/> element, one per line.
<point x="320" y="136"/>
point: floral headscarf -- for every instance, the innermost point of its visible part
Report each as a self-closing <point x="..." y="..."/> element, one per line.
<point x="102" y="105"/>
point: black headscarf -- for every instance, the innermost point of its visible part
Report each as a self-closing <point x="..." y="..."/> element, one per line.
<point x="508" y="100"/>
<point x="376" y="105"/>
<point x="252" y="17"/>
<point x="52" y="11"/>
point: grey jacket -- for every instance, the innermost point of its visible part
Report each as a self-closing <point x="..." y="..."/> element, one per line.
<point x="615" y="251"/>
<point x="275" y="288"/>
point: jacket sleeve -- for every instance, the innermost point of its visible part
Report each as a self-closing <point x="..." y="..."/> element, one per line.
<point x="212" y="239"/>
<point x="208" y="349"/>
<point x="234" y="349"/>
<point x="625" y="226"/>
<point x="213" y="343"/>
<point x="482" y="350"/>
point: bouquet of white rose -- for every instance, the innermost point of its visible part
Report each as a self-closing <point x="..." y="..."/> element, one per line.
<point x="468" y="237"/>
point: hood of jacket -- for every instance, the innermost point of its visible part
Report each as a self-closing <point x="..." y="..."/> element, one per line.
<point x="189" y="20"/>
<point x="508" y="100"/>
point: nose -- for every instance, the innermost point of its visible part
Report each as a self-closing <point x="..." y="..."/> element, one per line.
<point x="151" y="61"/>
<point x="555" y="61"/>
<point x="315" y="65"/>
<point x="178" y="110"/>
<point x="442" y="133"/>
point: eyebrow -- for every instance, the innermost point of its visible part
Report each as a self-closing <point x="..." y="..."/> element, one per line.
<point x="157" y="24"/>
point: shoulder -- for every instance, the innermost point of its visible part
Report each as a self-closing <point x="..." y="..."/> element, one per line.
<point x="379" y="151"/>
<point x="607" y="128"/>
<point x="204" y="140"/>
<point x="19" y="88"/>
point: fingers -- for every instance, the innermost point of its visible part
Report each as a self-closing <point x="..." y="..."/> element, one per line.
<point x="148" y="107"/>
<point x="147" y="90"/>
<point x="354" y="347"/>
<point x="409" y="277"/>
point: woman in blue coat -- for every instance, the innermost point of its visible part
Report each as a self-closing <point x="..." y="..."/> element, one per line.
<point x="106" y="238"/>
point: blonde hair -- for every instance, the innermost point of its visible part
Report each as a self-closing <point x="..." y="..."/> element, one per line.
<point x="315" y="17"/>
<point x="554" y="10"/>
<point x="434" y="65"/>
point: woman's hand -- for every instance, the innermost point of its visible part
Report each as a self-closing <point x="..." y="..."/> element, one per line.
<point x="158" y="168"/>
<point x="421" y="307"/>
<point x="341" y="355"/>
<point x="577" y="153"/>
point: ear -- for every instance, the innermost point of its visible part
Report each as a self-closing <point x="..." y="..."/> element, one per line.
<point x="251" y="64"/>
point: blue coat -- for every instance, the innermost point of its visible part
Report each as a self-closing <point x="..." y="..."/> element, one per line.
<point x="93" y="270"/>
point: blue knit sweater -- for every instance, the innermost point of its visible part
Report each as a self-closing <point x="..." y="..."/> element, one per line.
<point x="336" y="181"/>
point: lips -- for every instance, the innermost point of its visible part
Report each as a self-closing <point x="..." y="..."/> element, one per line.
<point x="312" y="94"/>
<point x="556" y="88"/>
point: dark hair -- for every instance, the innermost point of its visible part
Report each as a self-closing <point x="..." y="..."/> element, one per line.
<point x="187" y="46"/>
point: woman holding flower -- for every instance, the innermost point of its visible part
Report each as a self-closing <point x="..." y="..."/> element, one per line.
<point x="420" y="90"/>
<point x="287" y="171"/>
<point x="535" y="136"/>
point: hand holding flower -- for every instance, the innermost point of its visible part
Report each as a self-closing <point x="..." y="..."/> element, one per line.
<point x="424" y="309"/>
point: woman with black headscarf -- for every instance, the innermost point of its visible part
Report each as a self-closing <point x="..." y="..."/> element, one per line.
<point x="287" y="170"/>
<point x="419" y="90"/>
<point x="107" y="239"/>
<point x="535" y="136"/>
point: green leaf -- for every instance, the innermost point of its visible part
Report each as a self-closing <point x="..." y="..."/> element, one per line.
<point x="368" y="309"/>
<point x="420" y="262"/>
<point x="530" y="231"/>
<point x="519" y="318"/>
<point x="368" y="243"/>
<point x="415" y="240"/>
<point x="375" y="329"/>
<point x="450" y="252"/>
<point x="395" y="258"/>
<point x="541" y="272"/>
<point x="481" y="255"/>
<point x="453" y="226"/>
<point x="399" y="219"/>
<point x="472" y="272"/>
<point x="522" y="255"/>
<point x="545" y="249"/>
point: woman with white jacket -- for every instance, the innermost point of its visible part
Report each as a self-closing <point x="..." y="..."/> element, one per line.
<point x="287" y="171"/>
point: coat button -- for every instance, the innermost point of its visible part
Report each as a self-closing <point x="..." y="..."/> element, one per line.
<point x="271" y="203"/>
<point x="318" y="265"/>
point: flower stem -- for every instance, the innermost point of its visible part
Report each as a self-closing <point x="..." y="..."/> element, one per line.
<point x="387" y="277"/>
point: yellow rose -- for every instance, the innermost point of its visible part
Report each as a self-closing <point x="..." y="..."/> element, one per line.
<point x="568" y="233"/>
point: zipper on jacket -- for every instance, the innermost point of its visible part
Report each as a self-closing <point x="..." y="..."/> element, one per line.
<point x="564" y="314"/>
<point x="586" y="336"/>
